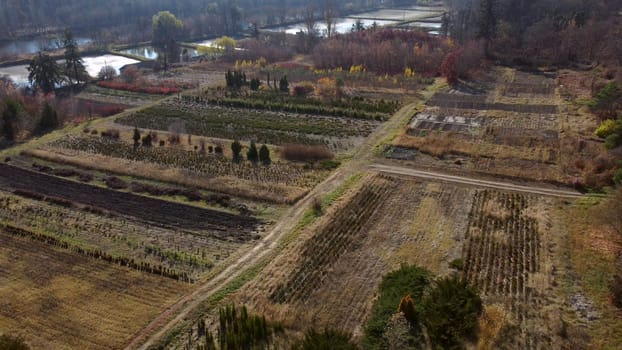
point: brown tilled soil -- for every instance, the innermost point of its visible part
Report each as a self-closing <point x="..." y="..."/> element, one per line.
<point x="169" y="214"/>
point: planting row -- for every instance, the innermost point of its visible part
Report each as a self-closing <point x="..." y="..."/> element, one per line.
<point x="244" y="124"/>
<point x="91" y="229"/>
<point x="321" y="251"/>
<point x="503" y="244"/>
<point x="350" y="108"/>
<point x="167" y="214"/>
<point x="98" y="254"/>
<point x="211" y="165"/>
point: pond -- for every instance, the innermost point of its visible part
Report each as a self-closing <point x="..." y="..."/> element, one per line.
<point x="342" y="25"/>
<point x="19" y="74"/>
<point x="397" y="14"/>
<point x="150" y="52"/>
<point x="30" y="46"/>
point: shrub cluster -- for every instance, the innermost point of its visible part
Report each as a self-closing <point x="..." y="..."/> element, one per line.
<point x="305" y="153"/>
<point x="153" y="90"/>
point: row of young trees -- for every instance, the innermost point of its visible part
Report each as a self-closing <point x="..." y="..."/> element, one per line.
<point x="253" y="155"/>
<point x="237" y="79"/>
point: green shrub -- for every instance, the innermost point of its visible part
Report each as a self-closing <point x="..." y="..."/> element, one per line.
<point x="450" y="313"/>
<point x="457" y="264"/>
<point x="617" y="177"/>
<point x="608" y="99"/>
<point x="606" y="128"/>
<point x="329" y="164"/>
<point x="408" y="280"/>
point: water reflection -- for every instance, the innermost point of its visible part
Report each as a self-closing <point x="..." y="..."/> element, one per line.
<point x="19" y="74"/>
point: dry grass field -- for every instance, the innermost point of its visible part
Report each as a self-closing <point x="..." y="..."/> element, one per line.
<point x="59" y="300"/>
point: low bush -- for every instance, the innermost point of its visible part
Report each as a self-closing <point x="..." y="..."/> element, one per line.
<point x="111" y="134"/>
<point x="115" y="183"/>
<point x="154" y="90"/>
<point x="305" y="153"/>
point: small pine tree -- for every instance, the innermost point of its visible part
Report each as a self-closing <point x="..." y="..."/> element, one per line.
<point x="236" y="148"/>
<point x="49" y="118"/>
<point x="136" y="136"/>
<point x="147" y="140"/>
<point x="264" y="155"/>
<point x="252" y="154"/>
<point x="10" y="117"/>
<point x="284" y="84"/>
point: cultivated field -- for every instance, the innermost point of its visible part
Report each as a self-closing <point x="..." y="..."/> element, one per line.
<point x="58" y="299"/>
<point x="332" y="271"/>
<point x="512" y="124"/>
<point x="507" y="256"/>
<point x="262" y="126"/>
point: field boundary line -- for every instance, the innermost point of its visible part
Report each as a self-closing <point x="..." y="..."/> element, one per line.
<point x="440" y="177"/>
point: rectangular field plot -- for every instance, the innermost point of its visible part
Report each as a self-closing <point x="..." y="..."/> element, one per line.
<point x="426" y="121"/>
<point x="505" y="257"/>
<point x="333" y="270"/>
<point x="262" y="126"/>
<point x="478" y="102"/>
<point x="487" y="130"/>
<point x="60" y="300"/>
<point x="150" y="210"/>
<point x="530" y="84"/>
<point x="278" y="182"/>
<point x="140" y="246"/>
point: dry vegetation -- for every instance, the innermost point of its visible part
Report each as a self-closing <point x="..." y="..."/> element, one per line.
<point x="333" y="270"/>
<point x="58" y="299"/>
<point x="513" y="124"/>
<point x="506" y="244"/>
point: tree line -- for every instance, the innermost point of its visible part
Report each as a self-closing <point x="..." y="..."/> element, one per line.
<point x="215" y="17"/>
<point x="536" y="32"/>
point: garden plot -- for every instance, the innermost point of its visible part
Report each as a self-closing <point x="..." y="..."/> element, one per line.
<point x="57" y="299"/>
<point x="476" y="102"/>
<point x="505" y="256"/>
<point x="162" y="213"/>
<point x="177" y="251"/>
<point x="425" y="121"/>
<point x="333" y="269"/>
<point x="276" y="128"/>
<point x="278" y="182"/>
<point x="489" y="130"/>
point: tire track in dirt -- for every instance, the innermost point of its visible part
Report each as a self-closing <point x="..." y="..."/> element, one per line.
<point x="440" y="177"/>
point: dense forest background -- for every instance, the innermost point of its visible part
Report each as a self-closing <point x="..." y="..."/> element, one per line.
<point x="540" y="32"/>
<point x="31" y="17"/>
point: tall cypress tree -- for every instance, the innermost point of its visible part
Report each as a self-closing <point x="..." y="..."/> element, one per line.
<point x="487" y="24"/>
<point x="74" y="65"/>
<point x="252" y="154"/>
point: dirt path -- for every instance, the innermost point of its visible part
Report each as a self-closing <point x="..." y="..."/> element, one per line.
<point x="435" y="176"/>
